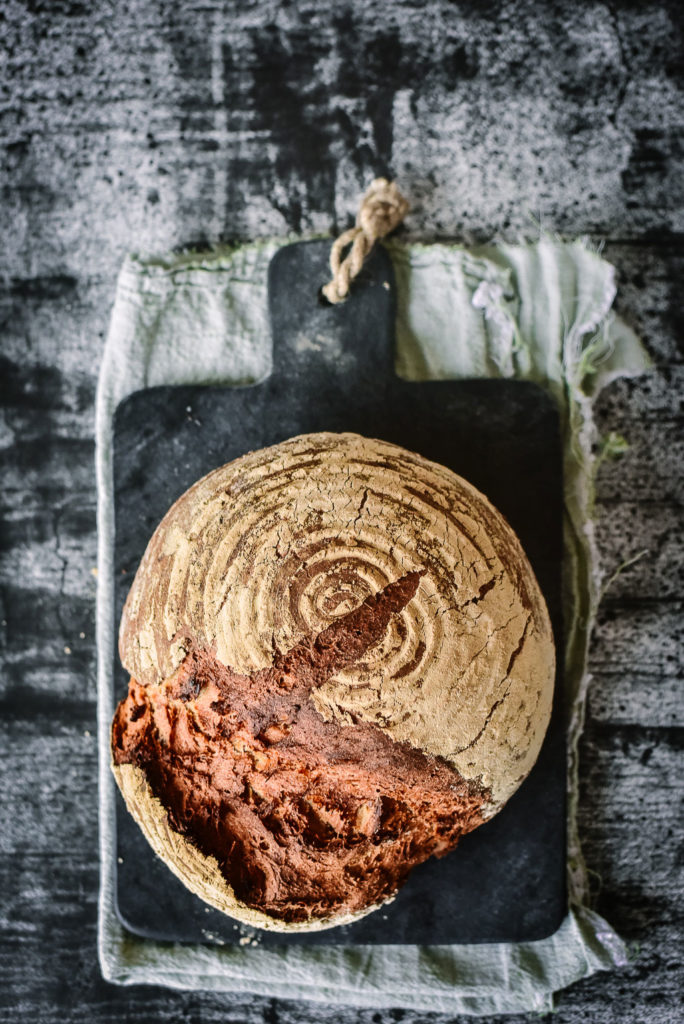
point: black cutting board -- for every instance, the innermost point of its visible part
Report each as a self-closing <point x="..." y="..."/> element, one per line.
<point x="333" y="370"/>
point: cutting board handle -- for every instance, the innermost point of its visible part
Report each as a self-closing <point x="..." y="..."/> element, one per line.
<point x="347" y="346"/>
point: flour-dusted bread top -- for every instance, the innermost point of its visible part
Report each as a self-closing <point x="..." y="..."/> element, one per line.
<point x="268" y="551"/>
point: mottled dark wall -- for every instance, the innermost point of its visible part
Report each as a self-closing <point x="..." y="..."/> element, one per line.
<point x="172" y="122"/>
<point x="144" y="125"/>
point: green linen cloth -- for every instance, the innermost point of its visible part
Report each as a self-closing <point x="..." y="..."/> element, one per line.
<point x="539" y="311"/>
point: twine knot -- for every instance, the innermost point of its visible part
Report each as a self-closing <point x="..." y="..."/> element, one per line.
<point x="382" y="208"/>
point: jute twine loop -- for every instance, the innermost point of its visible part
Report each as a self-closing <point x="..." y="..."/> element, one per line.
<point x="383" y="207"/>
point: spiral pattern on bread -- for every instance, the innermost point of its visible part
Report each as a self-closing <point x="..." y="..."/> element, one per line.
<point x="283" y="553"/>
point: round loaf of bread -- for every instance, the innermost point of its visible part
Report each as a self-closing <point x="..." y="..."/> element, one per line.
<point x="341" y="662"/>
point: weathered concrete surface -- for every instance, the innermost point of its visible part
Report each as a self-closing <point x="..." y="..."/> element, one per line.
<point x="144" y="125"/>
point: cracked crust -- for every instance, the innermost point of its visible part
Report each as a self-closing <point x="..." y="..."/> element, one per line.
<point x="277" y="544"/>
<point x="304" y="819"/>
<point x="339" y="633"/>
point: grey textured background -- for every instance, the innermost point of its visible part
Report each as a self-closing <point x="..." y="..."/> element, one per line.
<point x="150" y="124"/>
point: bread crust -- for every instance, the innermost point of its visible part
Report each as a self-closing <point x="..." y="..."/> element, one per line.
<point x="276" y="545"/>
<point x="199" y="873"/>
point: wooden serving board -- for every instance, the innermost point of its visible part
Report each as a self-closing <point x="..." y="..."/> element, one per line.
<point x="333" y="370"/>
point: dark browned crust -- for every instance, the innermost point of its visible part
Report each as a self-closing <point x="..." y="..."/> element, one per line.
<point x="307" y="819"/>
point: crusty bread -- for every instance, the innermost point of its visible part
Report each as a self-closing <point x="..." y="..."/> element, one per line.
<point x="307" y="540"/>
<point x="200" y="873"/>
